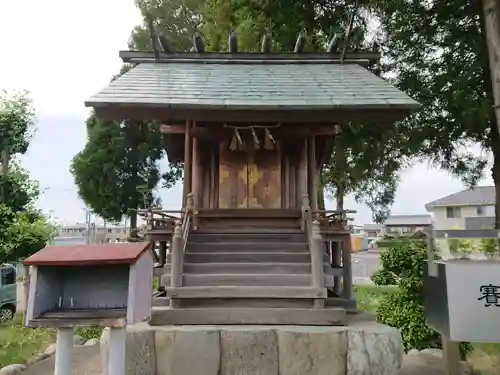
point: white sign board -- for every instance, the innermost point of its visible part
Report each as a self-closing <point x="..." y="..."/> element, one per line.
<point x="473" y="289"/>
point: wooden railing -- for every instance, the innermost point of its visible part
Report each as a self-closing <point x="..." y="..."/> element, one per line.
<point x="315" y="244"/>
<point x="179" y="242"/>
<point x="333" y="219"/>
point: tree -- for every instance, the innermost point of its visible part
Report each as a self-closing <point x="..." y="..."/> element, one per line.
<point x="175" y="20"/>
<point x="117" y="170"/>
<point x="17" y="120"/>
<point x="438" y="52"/>
<point x="365" y="162"/>
<point x="23" y="229"/>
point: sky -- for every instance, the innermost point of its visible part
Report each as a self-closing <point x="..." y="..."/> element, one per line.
<point x="63" y="52"/>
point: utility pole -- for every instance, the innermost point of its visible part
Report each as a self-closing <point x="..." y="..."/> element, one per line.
<point x="491" y="9"/>
<point x="88" y="221"/>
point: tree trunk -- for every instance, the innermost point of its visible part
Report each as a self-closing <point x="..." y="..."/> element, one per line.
<point x="4" y="170"/>
<point x="321" y="197"/>
<point x="491" y="9"/>
<point x="340" y="196"/>
<point x="133" y="222"/>
<point x="340" y="163"/>
<point x="490" y="30"/>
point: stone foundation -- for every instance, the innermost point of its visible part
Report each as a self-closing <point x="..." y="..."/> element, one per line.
<point x="362" y="348"/>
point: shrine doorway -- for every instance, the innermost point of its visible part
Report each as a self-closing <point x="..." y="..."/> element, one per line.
<point x="249" y="178"/>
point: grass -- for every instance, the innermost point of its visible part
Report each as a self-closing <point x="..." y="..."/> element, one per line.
<point x="18" y="344"/>
<point x="368" y="297"/>
<point x="485" y="358"/>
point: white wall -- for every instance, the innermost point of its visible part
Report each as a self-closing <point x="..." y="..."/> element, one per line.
<point x="441" y="222"/>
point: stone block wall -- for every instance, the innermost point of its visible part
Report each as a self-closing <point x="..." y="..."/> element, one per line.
<point x="362" y="348"/>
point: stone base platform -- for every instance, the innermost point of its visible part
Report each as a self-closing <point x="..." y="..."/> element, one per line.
<point x="362" y="348"/>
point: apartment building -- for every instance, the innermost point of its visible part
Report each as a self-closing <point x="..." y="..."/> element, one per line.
<point x="467" y="209"/>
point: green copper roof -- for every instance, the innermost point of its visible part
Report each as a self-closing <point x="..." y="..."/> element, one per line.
<point x="252" y="86"/>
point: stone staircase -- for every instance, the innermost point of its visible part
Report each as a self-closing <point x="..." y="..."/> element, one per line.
<point x="248" y="276"/>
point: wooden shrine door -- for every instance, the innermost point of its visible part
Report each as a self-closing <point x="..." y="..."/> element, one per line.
<point x="249" y="179"/>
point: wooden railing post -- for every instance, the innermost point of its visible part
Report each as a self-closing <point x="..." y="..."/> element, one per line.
<point x="177" y="261"/>
<point x="190" y="203"/>
<point x="191" y="209"/>
<point x="306" y="205"/>
<point x="347" y="266"/>
<point x="317" y="262"/>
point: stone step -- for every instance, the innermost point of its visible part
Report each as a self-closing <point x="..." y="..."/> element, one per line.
<point x="203" y="292"/>
<point x="246" y="280"/>
<point x="248" y="316"/>
<point x="196" y="237"/>
<point x="246" y="229"/>
<point x="242" y="268"/>
<point x="347" y="303"/>
<point x="242" y="247"/>
<point x="248" y="257"/>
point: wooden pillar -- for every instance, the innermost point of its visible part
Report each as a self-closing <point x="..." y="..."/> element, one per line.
<point x="311" y="172"/>
<point x="347" y="266"/>
<point x="451" y="356"/>
<point x="336" y="263"/>
<point x="317" y="262"/>
<point x="162" y="253"/>
<point x="176" y="266"/>
<point x="196" y="171"/>
<point x="188" y="162"/>
<point x="214" y="182"/>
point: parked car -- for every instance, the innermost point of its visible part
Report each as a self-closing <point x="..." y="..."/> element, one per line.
<point x="8" y="292"/>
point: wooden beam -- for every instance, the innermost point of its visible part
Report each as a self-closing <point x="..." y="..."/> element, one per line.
<point x="173" y="129"/>
<point x="138" y="56"/>
<point x="302" y="116"/>
<point x="188" y="162"/>
<point x="213" y="131"/>
<point x="311" y="172"/>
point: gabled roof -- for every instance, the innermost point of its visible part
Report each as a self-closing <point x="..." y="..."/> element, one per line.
<point x="179" y="86"/>
<point x="372" y="227"/>
<point x="250" y="86"/>
<point x="396" y="220"/>
<point x="481" y="195"/>
<point x="74" y="255"/>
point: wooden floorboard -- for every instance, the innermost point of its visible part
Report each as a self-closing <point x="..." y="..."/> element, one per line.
<point x="246" y="292"/>
<point x="251" y="316"/>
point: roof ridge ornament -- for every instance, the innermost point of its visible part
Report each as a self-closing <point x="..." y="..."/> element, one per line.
<point x="233" y="42"/>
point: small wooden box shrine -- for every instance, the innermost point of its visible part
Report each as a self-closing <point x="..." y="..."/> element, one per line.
<point x="81" y="285"/>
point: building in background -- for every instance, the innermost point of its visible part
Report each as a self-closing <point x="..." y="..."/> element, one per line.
<point x="467" y="209"/>
<point x="68" y="234"/>
<point x="373" y="231"/>
<point x="406" y="225"/>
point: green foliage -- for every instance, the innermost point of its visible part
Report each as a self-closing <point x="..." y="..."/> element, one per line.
<point x="23" y="229"/>
<point x="17" y="121"/>
<point x="89" y="333"/>
<point x="489" y="246"/>
<point x="436" y="51"/>
<point x="22" y="233"/>
<point x="386" y="243"/>
<point x="18" y="187"/>
<point x="403" y="266"/>
<point x="19" y="343"/>
<point x="118" y="159"/>
<point x="175" y="20"/>
<point x="458" y="246"/>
